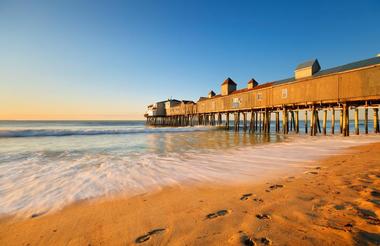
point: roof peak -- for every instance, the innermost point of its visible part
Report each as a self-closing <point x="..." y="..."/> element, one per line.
<point x="308" y="63"/>
<point x="228" y="81"/>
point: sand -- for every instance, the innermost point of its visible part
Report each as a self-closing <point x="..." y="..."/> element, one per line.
<point x="335" y="203"/>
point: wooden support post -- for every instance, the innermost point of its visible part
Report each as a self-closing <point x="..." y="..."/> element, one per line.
<point x="292" y="121"/>
<point x="312" y="121"/>
<point x="324" y="121"/>
<point x="306" y="121"/>
<point x="297" y="123"/>
<point x="376" y="120"/>
<point x="366" y="120"/>
<point x="245" y="121"/>
<point x="238" y="121"/>
<point x="235" y="121"/>
<point x="332" y="121"/>
<point x="277" y="121"/>
<point x="256" y="120"/>
<point x="268" y="120"/>
<point x="341" y="121"/>
<point x="346" y="129"/>
<point x="317" y="119"/>
<point x="251" y="124"/>
<point x="287" y="121"/>
<point x="260" y="122"/>
<point x="284" y="122"/>
<point x="227" y="120"/>
<point x="356" y="121"/>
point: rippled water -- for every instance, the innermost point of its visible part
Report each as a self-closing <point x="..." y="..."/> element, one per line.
<point x="46" y="165"/>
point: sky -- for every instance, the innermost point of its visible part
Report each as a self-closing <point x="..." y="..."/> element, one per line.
<point x="109" y="59"/>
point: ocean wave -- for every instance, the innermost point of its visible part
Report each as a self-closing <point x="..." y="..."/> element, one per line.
<point x="91" y="132"/>
<point x="33" y="183"/>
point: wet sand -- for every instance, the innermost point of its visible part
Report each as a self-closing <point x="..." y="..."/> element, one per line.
<point x="337" y="202"/>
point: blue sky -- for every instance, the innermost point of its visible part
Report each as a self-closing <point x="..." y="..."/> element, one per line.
<point x="109" y="59"/>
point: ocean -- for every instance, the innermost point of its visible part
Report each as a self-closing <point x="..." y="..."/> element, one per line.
<point x="45" y="165"/>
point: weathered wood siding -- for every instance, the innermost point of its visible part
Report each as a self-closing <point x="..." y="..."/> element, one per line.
<point x="362" y="84"/>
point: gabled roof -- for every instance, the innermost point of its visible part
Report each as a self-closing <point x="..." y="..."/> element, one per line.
<point x="252" y="81"/>
<point x="307" y="64"/>
<point x="188" y="102"/>
<point x="228" y="81"/>
<point x="350" y="66"/>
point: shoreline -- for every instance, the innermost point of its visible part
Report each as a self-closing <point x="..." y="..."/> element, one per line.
<point x="336" y="202"/>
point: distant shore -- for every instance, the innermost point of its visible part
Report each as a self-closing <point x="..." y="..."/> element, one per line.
<point x="336" y="202"/>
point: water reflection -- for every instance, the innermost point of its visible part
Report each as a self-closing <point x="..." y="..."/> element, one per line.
<point x="203" y="141"/>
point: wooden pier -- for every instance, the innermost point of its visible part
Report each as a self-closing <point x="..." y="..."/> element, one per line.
<point x="312" y="94"/>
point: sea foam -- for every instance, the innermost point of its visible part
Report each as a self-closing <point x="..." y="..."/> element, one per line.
<point x="43" y="181"/>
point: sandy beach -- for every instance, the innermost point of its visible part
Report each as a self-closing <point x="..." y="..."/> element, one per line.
<point x="335" y="203"/>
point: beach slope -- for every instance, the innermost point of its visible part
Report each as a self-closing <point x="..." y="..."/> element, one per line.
<point x="334" y="203"/>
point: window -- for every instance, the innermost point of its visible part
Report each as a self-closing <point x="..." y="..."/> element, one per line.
<point x="235" y="102"/>
<point x="259" y="96"/>
<point x="284" y="93"/>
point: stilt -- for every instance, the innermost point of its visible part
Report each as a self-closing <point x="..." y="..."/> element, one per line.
<point x="346" y="130"/>
<point x="312" y="116"/>
<point x="324" y="121"/>
<point x="305" y="121"/>
<point x="244" y="121"/>
<point x="287" y="122"/>
<point x="235" y="121"/>
<point x="256" y="121"/>
<point x="376" y="120"/>
<point x="332" y="121"/>
<point x="251" y="124"/>
<point x="227" y="120"/>
<point x="284" y="121"/>
<point x="277" y="121"/>
<point x="292" y="121"/>
<point x="268" y="121"/>
<point x="297" y="123"/>
<point x="219" y="119"/>
<point x="317" y="120"/>
<point x="260" y="121"/>
<point x="341" y="121"/>
<point x="356" y="121"/>
<point x="366" y="120"/>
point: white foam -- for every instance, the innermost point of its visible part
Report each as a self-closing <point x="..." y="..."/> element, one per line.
<point x="44" y="182"/>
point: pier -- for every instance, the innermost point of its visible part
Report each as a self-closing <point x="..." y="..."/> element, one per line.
<point x="338" y="93"/>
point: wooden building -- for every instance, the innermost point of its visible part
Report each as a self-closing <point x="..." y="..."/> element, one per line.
<point x="353" y="85"/>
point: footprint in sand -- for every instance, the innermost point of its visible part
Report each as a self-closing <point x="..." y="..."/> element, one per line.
<point x="256" y="199"/>
<point x="375" y="201"/>
<point x="375" y="193"/>
<point x="245" y="196"/>
<point x="218" y="214"/>
<point x="311" y="172"/>
<point x="246" y="240"/>
<point x="265" y="241"/>
<point x="274" y="187"/>
<point x="368" y="215"/>
<point x="263" y="216"/>
<point x="148" y="235"/>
